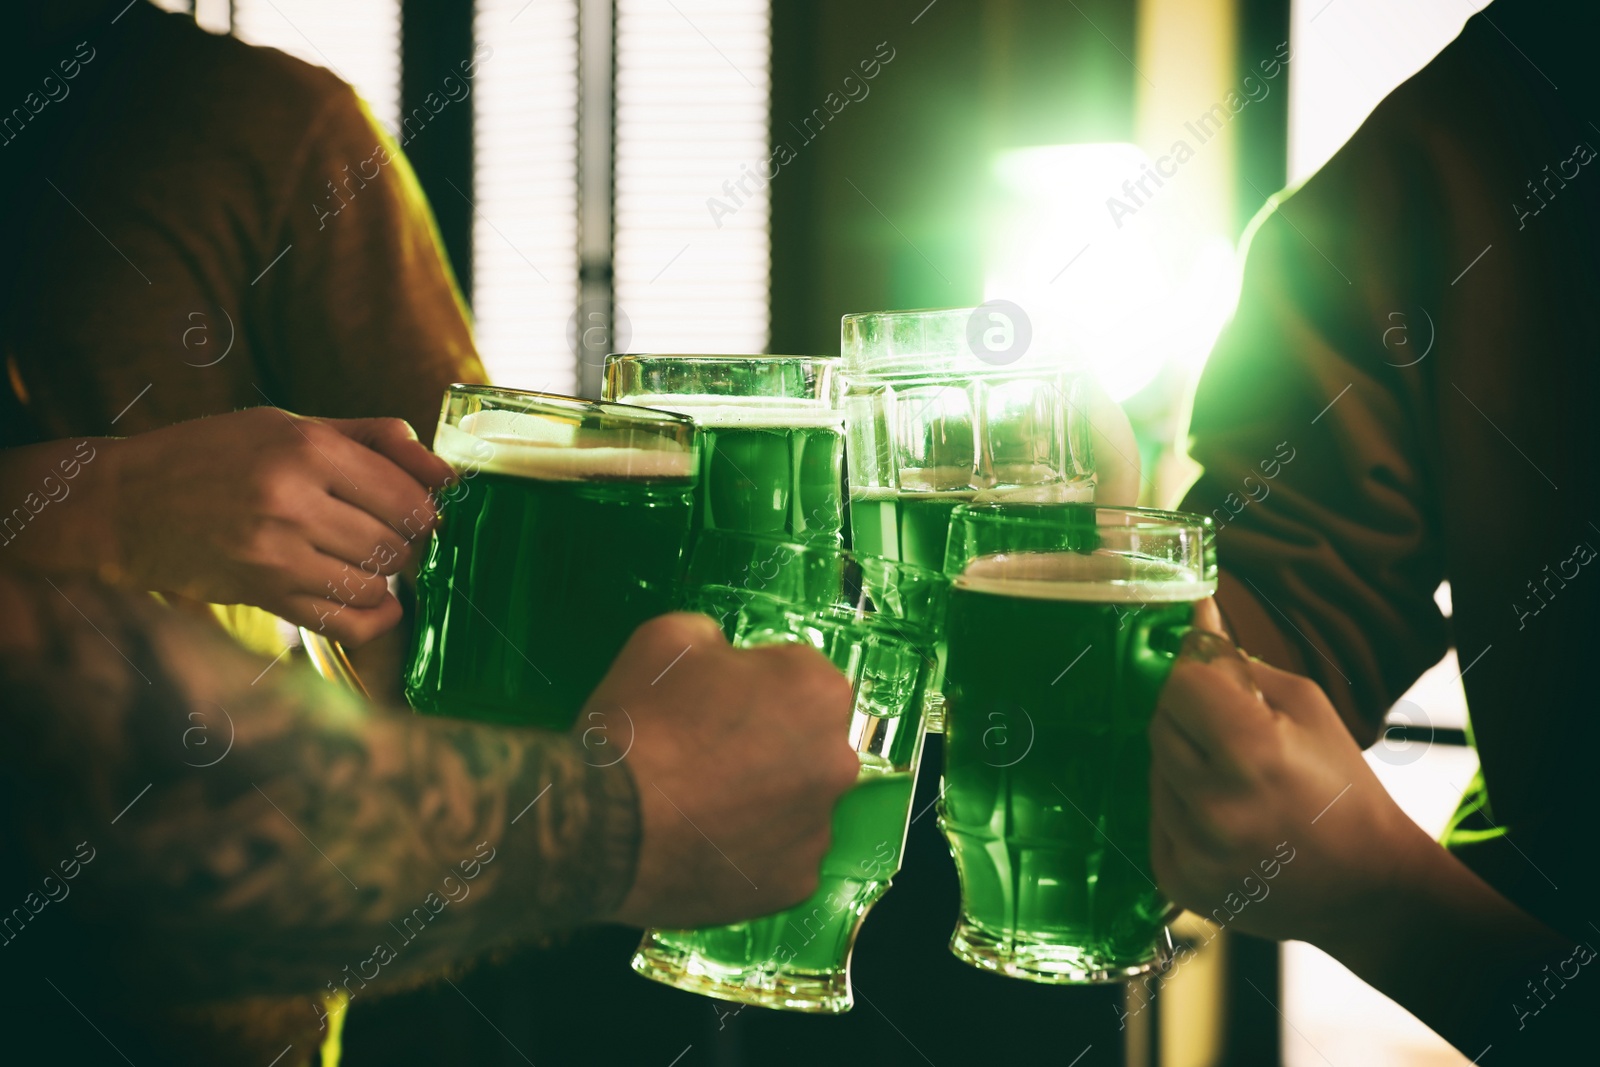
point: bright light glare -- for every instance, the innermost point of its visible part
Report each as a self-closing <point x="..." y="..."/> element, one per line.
<point x="1122" y="289"/>
<point x="1349" y="56"/>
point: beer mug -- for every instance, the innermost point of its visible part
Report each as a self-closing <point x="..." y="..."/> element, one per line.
<point x="564" y="530"/>
<point x="944" y="407"/>
<point x="1064" y="622"/>
<point x="772" y="437"/>
<point x="799" y="958"/>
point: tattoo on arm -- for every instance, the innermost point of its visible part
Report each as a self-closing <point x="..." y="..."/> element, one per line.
<point x="259" y="832"/>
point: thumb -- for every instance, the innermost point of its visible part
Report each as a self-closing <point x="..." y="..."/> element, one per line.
<point x="396" y="441"/>
<point x="1207" y="616"/>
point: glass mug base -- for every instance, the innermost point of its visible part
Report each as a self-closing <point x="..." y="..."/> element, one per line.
<point x="817" y="992"/>
<point x="1052" y="964"/>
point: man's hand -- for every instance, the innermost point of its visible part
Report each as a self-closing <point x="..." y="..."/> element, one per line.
<point x="739" y="756"/>
<point x="1263" y="805"/>
<point x="303" y="517"/>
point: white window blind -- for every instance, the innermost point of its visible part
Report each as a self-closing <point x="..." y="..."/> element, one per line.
<point x="359" y="40"/>
<point x="525" y="222"/>
<point x="692" y="103"/>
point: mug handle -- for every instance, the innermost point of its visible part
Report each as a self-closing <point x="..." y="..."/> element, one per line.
<point x="1202" y="646"/>
<point x="332" y="662"/>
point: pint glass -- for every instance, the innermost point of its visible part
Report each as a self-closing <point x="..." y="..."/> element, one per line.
<point x="772" y="437"/>
<point x="936" y="419"/>
<point x="1064" y="622"/>
<point x="799" y="958"/>
<point x="564" y="531"/>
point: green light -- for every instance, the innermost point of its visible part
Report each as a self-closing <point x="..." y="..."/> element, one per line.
<point x="1092" y="242"/>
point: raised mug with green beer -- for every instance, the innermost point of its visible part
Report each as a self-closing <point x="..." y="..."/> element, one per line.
<point x="936" y="419"/>
<point x="564" y="530"/>
<point x="798" y="959"/>
<point x="772" y="437"/>
<point x="1064" y="622"/>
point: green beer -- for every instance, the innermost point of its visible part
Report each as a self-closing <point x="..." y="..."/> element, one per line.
<point x="768" y="465"/>
<point x="557" y="541"/>
<point x="1055" y="661"/>
<point x="798" y="959"/>
<point x="912" y="527"/>
<point x="809" y="939"/>
<point x="915" y="527"/>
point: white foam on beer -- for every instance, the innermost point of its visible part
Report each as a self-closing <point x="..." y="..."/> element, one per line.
<point x="1088" y="577"/>
<point x="536" y="446"/>
<point x="1079" y="492"/>
<point x="873" y="493"/>
<point x="745" y="412"/>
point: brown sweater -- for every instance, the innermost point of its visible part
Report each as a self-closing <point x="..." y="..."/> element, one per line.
<point x="172" y="247"/>
<point x="192" y="225"/>
<point x="1418" y="325"/>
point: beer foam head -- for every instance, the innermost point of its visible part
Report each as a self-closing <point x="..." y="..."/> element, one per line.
<point x="1080" y="491"/>
<point x="889" y="492"/>
<point x="1090" y="577"/>
<point x="1073" y="492"/>
<point x="753" y="412"/>
<point x="550" y="449"/>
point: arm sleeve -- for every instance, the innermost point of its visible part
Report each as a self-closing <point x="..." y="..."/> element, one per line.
<point x="1310" y="431"/>
<point x="362" y="314"/>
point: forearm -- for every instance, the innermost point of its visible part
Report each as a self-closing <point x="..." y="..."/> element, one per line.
<point x="56" y="509"/>
<point x="257" y="832"/>
<point x="1446" y="946"/>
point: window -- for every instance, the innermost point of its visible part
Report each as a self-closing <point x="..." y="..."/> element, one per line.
<point x="689" y="254"/>
<point x="692" y="104"/>
<point x="525" y="219"/>
<point x="359" y="40"/>
<point x="1348" y="55"/>
<point x="692" y="94"/>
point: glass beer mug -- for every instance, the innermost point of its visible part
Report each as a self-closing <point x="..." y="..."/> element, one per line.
<point x="949" y="407"/>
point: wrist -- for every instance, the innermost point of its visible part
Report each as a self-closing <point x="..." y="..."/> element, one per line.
<point x="107" y="525"/>
<point x="573" y="835"/>
<point x="1438" y="917"/>
<point x="1385" y="897"/>
<point x="61" y="519"/>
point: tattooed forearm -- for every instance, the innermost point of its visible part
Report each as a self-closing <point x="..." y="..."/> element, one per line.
<point x="259" y="832"/>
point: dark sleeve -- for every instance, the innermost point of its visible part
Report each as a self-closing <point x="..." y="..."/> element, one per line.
<point x="236" y="827"/>
<point x="1314" y="473"/>
<point x="1542" y="1014"/>
<point x="361" y="315"/>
